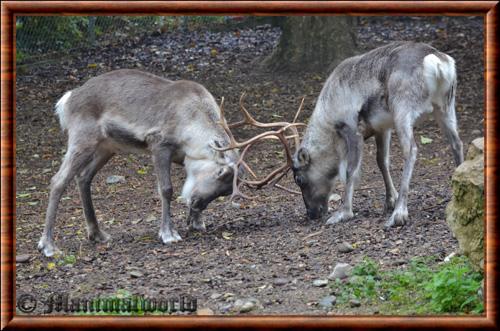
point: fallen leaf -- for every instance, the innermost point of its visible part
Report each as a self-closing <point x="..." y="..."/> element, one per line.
<point x="424" y="140"/>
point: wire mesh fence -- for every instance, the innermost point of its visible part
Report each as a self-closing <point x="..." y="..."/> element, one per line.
<point x="38" y="36"/>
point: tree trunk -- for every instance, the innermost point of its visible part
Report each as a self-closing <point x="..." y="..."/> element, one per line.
<point x="313" y="43"/>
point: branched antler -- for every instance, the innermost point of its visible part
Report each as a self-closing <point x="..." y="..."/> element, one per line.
<point x="279" y="133"/>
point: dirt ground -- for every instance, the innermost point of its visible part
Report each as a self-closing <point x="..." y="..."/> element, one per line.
<point x="265" y="248"/>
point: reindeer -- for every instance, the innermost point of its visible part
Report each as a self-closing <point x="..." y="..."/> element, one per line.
<point x="133" y="111"/>
<point x="368" y="95"/>
<point x="127" y="111"/>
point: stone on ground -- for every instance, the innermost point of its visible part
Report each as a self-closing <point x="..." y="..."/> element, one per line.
<point x="341" y="271"/>
<point x="465" y="212"/>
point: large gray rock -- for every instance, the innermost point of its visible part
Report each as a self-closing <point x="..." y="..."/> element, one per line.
<point x="465" y="212"/>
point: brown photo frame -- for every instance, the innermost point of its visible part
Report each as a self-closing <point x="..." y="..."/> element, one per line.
<point x="9" y="320"/>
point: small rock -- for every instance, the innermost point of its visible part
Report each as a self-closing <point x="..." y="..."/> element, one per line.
<point x="341" y="271"/>
<point x="215" y="296"/>
<point x="280" y="281"/>
<point x="320" y="282"/>
<point x="87" y="258"/>
<point x="476" y="133"/>
<point x="449" y="257"/>
<point x="226" y="308"/>
<point x="345" y="247"/>
<point x="354" y="303"/>
<point x="115" y="179"/>
<point x="205" y="311"/>
<point x="328" y="302"/>
<point x="245" y="305"/>
<point x="135" y="274"/>
<point x="23" y="258"/>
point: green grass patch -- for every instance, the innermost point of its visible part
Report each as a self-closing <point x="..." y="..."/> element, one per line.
<point x="422" y="287"/>
<point x="67" y="260"/>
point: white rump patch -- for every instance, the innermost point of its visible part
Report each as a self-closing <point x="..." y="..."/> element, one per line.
<point x="60" y="106"/>
<point x="439" y="75"/>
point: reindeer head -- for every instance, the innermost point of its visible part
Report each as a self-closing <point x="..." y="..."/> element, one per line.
<point x="314" y="184"/>
<point x="206" y="180"/>
<point x="316" y="166"/>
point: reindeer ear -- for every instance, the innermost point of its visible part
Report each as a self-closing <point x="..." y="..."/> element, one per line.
<point x="224" y="172"/>
<point x="303" y="159"/>
<point x="219" y="154"/>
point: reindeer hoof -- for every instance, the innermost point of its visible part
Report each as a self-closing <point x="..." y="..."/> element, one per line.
<point x="48" y="248"/>
<point x="168" y="238"/>
<point x="389" y="206"/>
<point x="339" y="216"/>
<point x="398" y="218"/>
<point x="198" y="226"/>
<point x="99" y="236"/>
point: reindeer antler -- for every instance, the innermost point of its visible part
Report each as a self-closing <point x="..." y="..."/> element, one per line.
<point x="280" y="133"/>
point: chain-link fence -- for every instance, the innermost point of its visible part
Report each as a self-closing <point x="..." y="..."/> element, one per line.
<point x="42" y="35"/>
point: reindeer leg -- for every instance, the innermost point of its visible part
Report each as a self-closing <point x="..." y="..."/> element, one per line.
<point x="345" y="213"/>
<point x="74" y="160"/>
<point x="84" y="180"/>
<point x="352" y="177"/>
<point x="383" y="140"/>
<point x="448" y="123"/>
<point x="404" y="128"/>
<point x="162" y="159"/>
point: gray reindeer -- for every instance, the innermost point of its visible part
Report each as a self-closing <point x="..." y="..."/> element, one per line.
<point x="133" y="111"/>
<point x="368" y="95"/>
